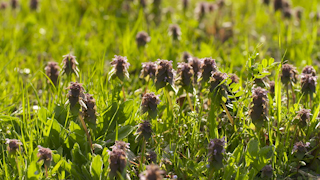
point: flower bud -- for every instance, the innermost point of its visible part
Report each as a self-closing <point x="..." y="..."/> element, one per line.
<point x="117" y="161"/>
<point x="309" y="70"/>
<point x="44" y="154"/>
<point x="69" y="65"/>
<point x="52" y="71"/>
<point x="196" y="64"/>
<point x="216" y="81"/>
<point x="174" y="31"/>
<point x="215" y="152"/>
<point x="75" y="94"/>
<point x="308" y="83"/>
<point x="89" y="112"/>
<point x="149" y="104"/>
<point x="144" y="129"/>
<point x="13" y="145"/>
<point x="259" y="106"/>
<point x="289" y="74"/>
<point x="148" y="69"/>
<point x="185" y="75"/>
<point x="164" y="74"/>
<point x="34" y="4"/>
<point x="208" y="68"/>
<point x="120" y="67"/>
<point x="142" y="38"/>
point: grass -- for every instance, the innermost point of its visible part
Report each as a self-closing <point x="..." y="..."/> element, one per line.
<point x="34" y="112"/>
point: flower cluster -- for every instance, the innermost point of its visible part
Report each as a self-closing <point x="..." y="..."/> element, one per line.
<point x="118" y="158"/>
<point x="185" y="74"/>
<point x="148" y="69"/>
<point x="142" y="38"/>
<point x="164" y="74"/>
<point x="215" y="152"/>
<point x="69" y="65"/>
<point x="120" y="67"/>
<point x="289" y="74"/>
<point x="208" y="67"/>
<point x="52" y="71"/>
<point x="259" y="106"/>
<point x="13" y="145"/>
<point x="76" y="94"/>
<point x="89" y="113"/>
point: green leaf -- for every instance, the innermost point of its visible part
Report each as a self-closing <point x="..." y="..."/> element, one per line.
<point x="96" y="167"/>
<point x="124" y="132"/>
<point x="33" y="171"/>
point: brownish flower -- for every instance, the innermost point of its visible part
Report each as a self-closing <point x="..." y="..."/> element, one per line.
<point x="3" y="5"/>
<point x="164" y="74"/>
<point x="271" y="87"/>
<point x="143" y="3"/>
<point x="76" y="94"/>
<point x="212" y="7"/>
<point x="185" y="74"/>
<point x="117" y="161"/>
<point x="14" y="4"/>
<point x="148" y="69"/>
<point x="149" y="104"/>
<point x="304" y="117"/>
<point x="216" y="81"/>
<point x="185" y="4"/>
<point x="259" y="106"/>
<point x="89" y="112"/>
<point x="121" y="145"/>
<point x="34" y="4"/>
<point x="52" y="71"/>
<point x="144" y="129"/>
<point x="186" y="57"/>
<point x="309" y="70"/>
<point x="208" y="68"/>
<point x="234" y="79"/>
<point x="266" y="2"/>
<point x="289" y="74"/>
<point x="287" y="13"/>
<point x="152" y="172"/>
<point x="44" y="154"/>
<point x="278" y="4"/>
<point x="215" y="152"/>
<point x="69" y="65"/>
<point x="120" y="67"/>
<point x="174" y="31"/>
<point x="299" y="12"/>
<point x="196" y="64"/>
<point x="142" y="38"/>
<point x="13" y="145"/>
<point x="308" y="83"/>
<point x="201" y="10"/>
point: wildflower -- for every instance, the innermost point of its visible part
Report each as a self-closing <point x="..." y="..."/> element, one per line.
<point x="89" y="112"/>
<point x="75" y="94"/>
<point x="44" y="154"/>
<point x="13" y="145"/>
<point x="174" y="31"/>
<point x="120" y="67"/>
<point x="34" y="4"/>
<point x="289" y="74"/>
<point x="149" y="104"/>
<point x="142" y="38"/>
<point x="234" y="79"/>
<point x="267" y="171"/>
<point x="14" y="4"/>
<point x="143" y="3"/>
<point x="52" y="71"/>
<point x="287" y="13"/>
<point x="144" y="129"/>
<point x="148" y="69"/>
<point x="186" y="57"/>
<point x="185" y="4"/>
<point x="212" y="7"/>
<point x="271" y="87"/>
<point x="309" y="70"/>
<point x="300" y="149"/>
<point x="185" y="74"/>
<point x="278" y="4"/>
<point x="70" y="63"/>
<point x="266" y="2"/>
<point x="299" y="12"/>
<point x="152" y="172"/>
<point x="221" y="3"/>
<point x="201" y="10"/>
<point x="259" y="109"/>
<point x="208" y="68"/>
<point x="315" y="16"/>
<point x="304" y="117"/>
<point x="196" y="64"/>
<point x="308" y="83"/>
<point x="164" y="73"/>
<point x="151" y="157"/>
<point x="117" y="161"/>
<point x="215" y="152"/>
<point x="121" y="145"/>
<point x="3" y="5"/>
<point x="216" y="81"/>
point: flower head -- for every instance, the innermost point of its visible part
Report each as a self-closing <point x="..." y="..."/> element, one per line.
<point x="121" y="145"/>
<point x="299" y="12"/>
<point x="13" y="145"/>
<point x="309" y="70"/>
<point x="196" y="64"/>
<point x="152" y="172"/>
<point x="216" y="81"/>
<point x="117" y="161"/>
<point x="234" y="79"/>
<point x="14" y="4"/>
<point x="34" y="4"/>
<point x="185" y="4"/>
<point x="174" y="31"/>
<point x="287" y="13"/>
<point x="44" y="154"/>
<point x="164" y="74"/>
<point x="185" y="74"/>
<point x="149" y="104"/>
<point x="300" y="149"/>
<point x="148" y="69"/>
<point x="69" y="65"/>
<point x="144" y="129"/>
<point x="215" y="152"/>
<point x="278" y="5"/>
<point x="52" y="71"/>
<point x="289" y="74"/>
<point x="201" y="10"/>
<point x="120" y="67"/>
<point x="3" y="5"/>
<point x="271" y="87"/>
<point x="259" y="106"/>
<point x="208" y="67"/>
<point x="76" y="94"/>
<point x="212" y="7"/>
<point x="142" y="38"/>
<point x="186" y="57"/>
<point x="89" y="112"/>
<point x="304" y="117"/>
<point x="266" y="2"/>
<point x="308" y="83"/>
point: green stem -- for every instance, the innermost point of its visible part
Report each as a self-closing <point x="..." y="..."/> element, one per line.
<point x="189" y="100"/>
<point x="86" y="131"/>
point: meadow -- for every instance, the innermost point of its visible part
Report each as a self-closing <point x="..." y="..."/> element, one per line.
<point x="159" y="89"/>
